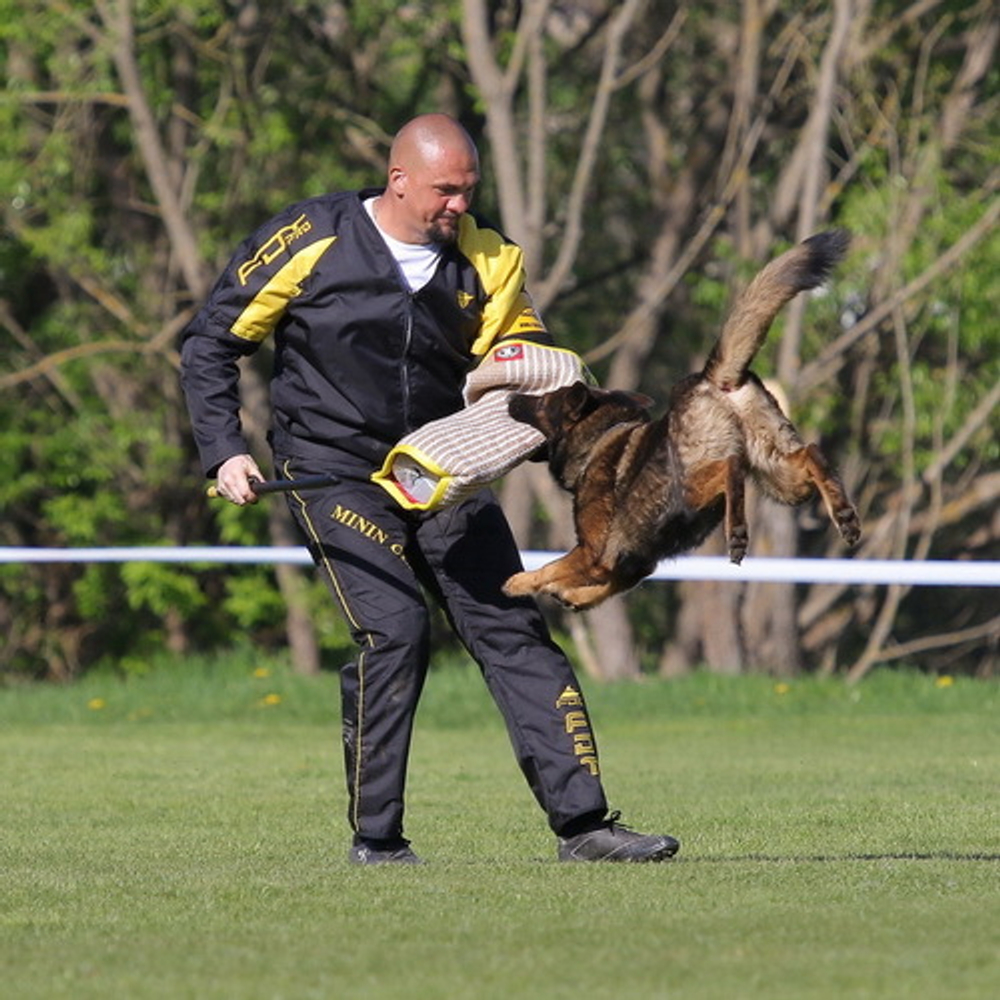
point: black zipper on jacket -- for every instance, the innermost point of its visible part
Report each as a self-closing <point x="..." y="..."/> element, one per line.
<point x="405" y="366"/>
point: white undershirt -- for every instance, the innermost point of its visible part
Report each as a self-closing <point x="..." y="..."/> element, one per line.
<point x="417" y="261"/>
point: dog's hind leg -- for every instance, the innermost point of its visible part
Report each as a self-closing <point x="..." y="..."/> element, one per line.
<point x="724" y="478"/>
<point x="793" y="478"/>
<point x="831" y="489"/>
<point x="786" y="468"/>
<point x="737" y="535"/>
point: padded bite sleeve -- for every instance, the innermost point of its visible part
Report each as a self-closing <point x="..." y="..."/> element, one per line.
<point x="449" y="459"/>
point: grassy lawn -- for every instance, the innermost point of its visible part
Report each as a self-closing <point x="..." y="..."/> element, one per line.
<point x="181" y="835"/>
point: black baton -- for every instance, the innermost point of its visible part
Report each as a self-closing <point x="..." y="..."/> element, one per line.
<point x="262" y="486"/>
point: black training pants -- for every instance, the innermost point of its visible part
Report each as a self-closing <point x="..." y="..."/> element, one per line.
<point x="377" y="559"/>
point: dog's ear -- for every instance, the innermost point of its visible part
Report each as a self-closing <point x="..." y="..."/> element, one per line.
<point x="641" y="399"/>
<point x="578" y="395"/>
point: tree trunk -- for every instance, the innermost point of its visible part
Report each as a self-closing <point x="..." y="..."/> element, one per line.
<point x="708" y="632"/>
<point x="770" y="621"/>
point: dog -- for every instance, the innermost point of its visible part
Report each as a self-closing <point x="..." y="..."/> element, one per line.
<point x="645" y="490"/>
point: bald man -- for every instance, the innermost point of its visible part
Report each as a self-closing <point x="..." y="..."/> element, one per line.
<point x="380" y="302"/>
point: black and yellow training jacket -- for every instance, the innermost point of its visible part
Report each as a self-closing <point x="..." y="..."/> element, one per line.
<point x="359" y="360"/>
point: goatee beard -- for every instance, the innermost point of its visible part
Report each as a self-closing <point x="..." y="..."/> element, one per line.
<point x="439" y="234"/>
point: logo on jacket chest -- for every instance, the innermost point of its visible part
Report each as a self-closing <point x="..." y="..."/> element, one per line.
<point x="274" y="245"/>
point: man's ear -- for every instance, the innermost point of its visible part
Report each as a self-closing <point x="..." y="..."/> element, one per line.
<point x="397" y="180"/>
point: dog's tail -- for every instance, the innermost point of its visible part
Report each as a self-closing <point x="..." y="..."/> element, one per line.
<point x="804" y="266"/>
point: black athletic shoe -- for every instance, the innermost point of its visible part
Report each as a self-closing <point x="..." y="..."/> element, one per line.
<point x="394" y="854"/>
<point x="612" y="841"/>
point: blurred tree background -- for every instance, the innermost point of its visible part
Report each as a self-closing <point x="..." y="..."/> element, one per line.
<point x="649" y="156"/>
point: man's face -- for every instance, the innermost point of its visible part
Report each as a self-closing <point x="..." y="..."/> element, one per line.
<point x="436" y="193"/>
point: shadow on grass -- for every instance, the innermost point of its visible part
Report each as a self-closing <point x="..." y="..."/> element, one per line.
<point x="823" y="858"/>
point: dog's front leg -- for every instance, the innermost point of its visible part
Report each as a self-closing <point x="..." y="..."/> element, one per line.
<point x="580" y="598"/>
<point x="726" y="478"/>
<point x="559" y="578"/>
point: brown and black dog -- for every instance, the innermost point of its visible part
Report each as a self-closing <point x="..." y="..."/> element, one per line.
<point x="646" y="490"/>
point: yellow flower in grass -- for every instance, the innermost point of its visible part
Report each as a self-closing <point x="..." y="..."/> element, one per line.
<point x="262" y="672"/>
<point x="944" y="681"/>
<point x="782" y="688"/>
<point x="270" y="699"/>
<point x="96" y="704"/>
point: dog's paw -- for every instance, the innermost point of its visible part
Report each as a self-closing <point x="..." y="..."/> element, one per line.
<point x="584" y="596"/>
<point x="519" y="585"/>
<point x="738" y="542"/>
<point x="849" y="525"/>
<point x="568" y="604"/>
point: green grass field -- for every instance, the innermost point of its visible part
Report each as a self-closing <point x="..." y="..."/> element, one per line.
<point x="181" y="835"/>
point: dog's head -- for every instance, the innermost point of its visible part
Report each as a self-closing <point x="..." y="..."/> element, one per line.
<point x="573" y="419"/>
<point x="556" y="413"/>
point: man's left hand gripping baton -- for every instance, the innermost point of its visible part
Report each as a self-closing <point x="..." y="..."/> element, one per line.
<point x="262" y="486"/>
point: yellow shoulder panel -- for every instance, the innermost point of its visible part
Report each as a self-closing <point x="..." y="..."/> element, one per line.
<point x="264" y="310"/>
<point x="500" y="266"/>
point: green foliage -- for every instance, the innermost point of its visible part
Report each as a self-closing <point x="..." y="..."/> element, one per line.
<point x="954" y="344"/>
<point x="162" y="589"/>
<point x="252" y="603"/>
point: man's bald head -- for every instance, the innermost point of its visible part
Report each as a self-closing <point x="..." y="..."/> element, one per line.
<point x="427" y="138"/>
<point x="433" y="173"/>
